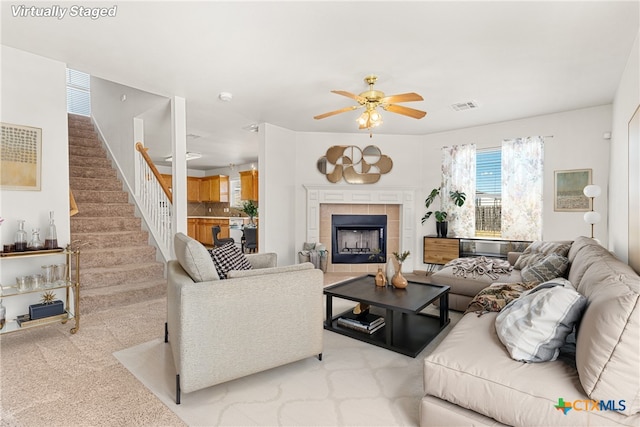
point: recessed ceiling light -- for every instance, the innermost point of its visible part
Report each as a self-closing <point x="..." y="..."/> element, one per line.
<point x="225" y="96"/>
<point x="253" y="127"/>
<point x="190" y="156"/>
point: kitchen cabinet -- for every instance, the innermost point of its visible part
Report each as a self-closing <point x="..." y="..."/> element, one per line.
<point x="203" y="228"/>
<point x="249" y="185"/>
<point x="214" y="188"/>
<point x="193" y="189"/>
<point x="192" y="228"/>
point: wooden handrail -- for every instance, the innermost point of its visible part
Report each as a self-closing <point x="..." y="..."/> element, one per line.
<point x="143" y="150"/>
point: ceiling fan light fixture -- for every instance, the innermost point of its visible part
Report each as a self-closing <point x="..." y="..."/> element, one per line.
<point x="375" y="117"/>
<point x="363" y="119"/>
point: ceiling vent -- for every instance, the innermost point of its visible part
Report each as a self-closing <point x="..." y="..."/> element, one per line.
<point x="461" y="106"/>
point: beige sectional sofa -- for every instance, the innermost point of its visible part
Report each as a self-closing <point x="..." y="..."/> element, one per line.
<point x="470" y="378"/>
<point x="254" y="320"/>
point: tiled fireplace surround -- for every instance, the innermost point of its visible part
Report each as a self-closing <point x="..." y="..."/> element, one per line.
<point x="396" y="203"/>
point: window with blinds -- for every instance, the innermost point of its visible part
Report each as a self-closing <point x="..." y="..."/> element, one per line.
<point x="78" y="92"/>
<point x="488" y="192"/>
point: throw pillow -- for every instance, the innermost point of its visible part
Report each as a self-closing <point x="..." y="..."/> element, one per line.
<point x="229" y="257"/>
<point x="497" y="296"/>
<point x="545" y="269"/>
<point x="194" y="258"/>
<point x="539" y="249"/>
<point x="535" y="326"/>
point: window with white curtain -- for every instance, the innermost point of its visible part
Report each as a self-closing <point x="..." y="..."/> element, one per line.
<point x="506" y="183"/>
<point x="78" y="92"/>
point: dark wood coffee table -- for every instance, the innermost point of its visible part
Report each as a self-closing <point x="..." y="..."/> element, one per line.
<point x="406" y="330"/>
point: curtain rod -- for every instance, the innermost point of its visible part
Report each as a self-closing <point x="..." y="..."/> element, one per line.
<point x="547" y="136"/>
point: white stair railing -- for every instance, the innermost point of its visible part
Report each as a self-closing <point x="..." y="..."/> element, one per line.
<point x="154" y="201"/>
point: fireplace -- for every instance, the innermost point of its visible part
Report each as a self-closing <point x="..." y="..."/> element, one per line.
<point x="358" y="239"/>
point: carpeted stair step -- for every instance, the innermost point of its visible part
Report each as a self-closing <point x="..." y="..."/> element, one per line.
<point x="93" y="300"/>
<point x="102" y="209"/>
<point x="84" y="224"/>
<point x="98" y="184"/>
<point x="87" y="196"/>
<point x="82" y="151"/>
<point x="110" y="239"/>
<point x="88" y="161"/>
<point x="77" y="141"/>
<point x="77" y="118"/>
<point x="82" y="132"/>
<point x="98" y="257"/>
<point x="91" y="172"/>
<point x="97" y="277"/>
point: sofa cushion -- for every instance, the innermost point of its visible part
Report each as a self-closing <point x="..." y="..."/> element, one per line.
<point x="551" y="266"/>
<point x="194" y="258"/>
<point x="578" y="244"/>
<point x="229" y="257"/>
<point x="539" y="249"/>
<point x="608" y="340"/>
<point x="233" y="274"/>
<point x="535" y="326"/>
<point x="472" y="369"/>
<point x="469" y="286"/>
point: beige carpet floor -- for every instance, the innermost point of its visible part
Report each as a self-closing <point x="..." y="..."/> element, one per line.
<point x="49" y="377"/>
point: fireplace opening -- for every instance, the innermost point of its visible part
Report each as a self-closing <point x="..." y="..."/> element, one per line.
<point x="358" y="239"/>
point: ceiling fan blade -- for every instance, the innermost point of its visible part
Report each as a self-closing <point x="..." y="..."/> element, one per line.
<point x="403" y="97"/>
<point x="333" y="113"/>
<point x="406" y="111"/>
<point x="350" y="95"/>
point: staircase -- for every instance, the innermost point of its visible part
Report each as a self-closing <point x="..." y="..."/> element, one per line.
<point x="117" y="265"/>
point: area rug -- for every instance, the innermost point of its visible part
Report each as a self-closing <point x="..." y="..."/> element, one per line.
<point x="355" y="384"/>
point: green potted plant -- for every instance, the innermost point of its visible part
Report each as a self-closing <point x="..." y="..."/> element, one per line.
<point x="250" y="209"/>
<point x="458" y="199"/>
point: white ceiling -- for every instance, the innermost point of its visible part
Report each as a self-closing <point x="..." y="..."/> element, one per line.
<point x="280" y="60"/>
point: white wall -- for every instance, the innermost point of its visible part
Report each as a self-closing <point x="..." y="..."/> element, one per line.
<point x="577" y="143"/>
<point x="626" y="101"/>
<point x="114" y="118"/>
<point x="276" y="192"/>
<point x="33" y="92"/>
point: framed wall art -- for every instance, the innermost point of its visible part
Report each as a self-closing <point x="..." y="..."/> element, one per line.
<point x="568" y="190"/>
<point x="20" y="157"/>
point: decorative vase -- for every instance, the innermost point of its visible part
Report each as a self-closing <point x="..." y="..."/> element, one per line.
<point x="398" y="280"/>
<point x="391" y="268"/>
<point x="380" y="279"/>
<point x="442" y="228"/>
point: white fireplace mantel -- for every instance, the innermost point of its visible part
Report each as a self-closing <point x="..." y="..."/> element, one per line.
<point x="403" y="196"/>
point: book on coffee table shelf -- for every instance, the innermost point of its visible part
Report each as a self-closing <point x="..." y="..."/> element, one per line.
<point x="362" y="324"/>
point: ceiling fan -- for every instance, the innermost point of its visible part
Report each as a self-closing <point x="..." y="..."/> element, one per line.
<point x="371" y="99"/>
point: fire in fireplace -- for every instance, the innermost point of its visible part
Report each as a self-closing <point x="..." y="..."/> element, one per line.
<point x="358" y="239"/>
